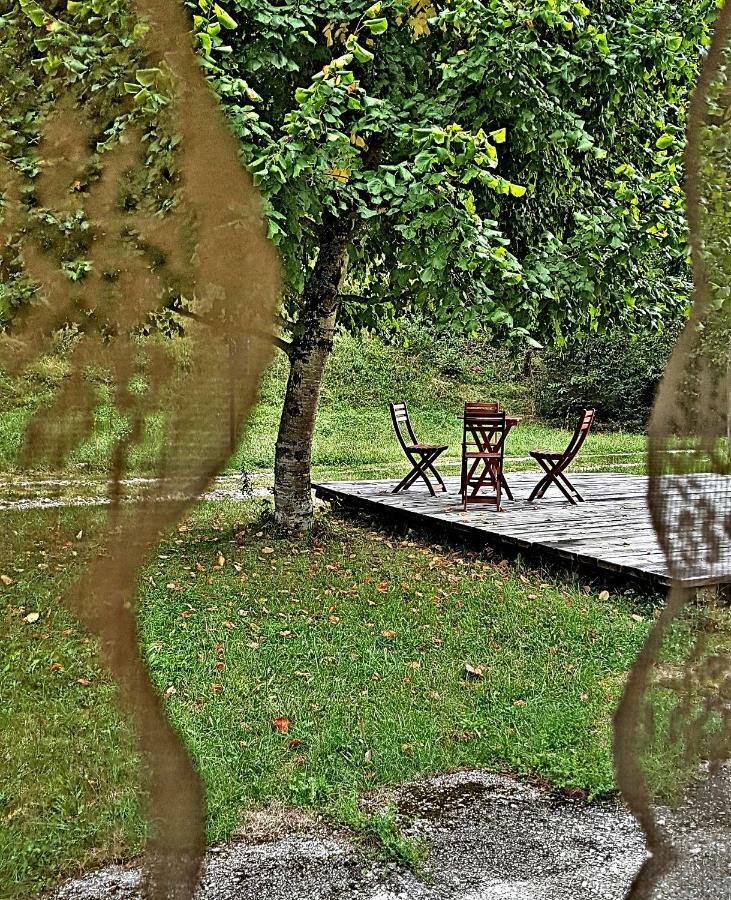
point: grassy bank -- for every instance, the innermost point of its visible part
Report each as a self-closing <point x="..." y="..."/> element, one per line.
<point x="354" y="432"/>
<point x="360" y="642"/>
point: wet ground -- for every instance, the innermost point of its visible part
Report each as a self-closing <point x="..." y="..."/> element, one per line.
<point x="488" y="838"/>
<point x="47" y="493"/>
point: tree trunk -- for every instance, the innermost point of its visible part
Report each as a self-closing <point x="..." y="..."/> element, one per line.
<point x="308" y="354"/>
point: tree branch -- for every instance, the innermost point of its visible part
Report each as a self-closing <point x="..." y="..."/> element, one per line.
<point x="284" y="346"/>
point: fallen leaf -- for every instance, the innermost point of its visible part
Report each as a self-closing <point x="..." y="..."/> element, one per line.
<point x="295" y="742"/>
<point x="637" y="618"/>
<point x="170" y="691"/>
<point x="519" y="703"/>
<point x="229" y="625"/>
<point x="220" y="561"/>
<point x="56" y="667"/>
<point x="414" y="664"/>
<point x="333" y="620"/>
<point x="281" y="724"/>
<point x="473" y="671"/>
<point x="84" y="682"/>
<point x="387" y="633"/>
<point x="604" y="596"/>
<point x="6" y="580"/>
<point x="32" y="618"/>
<point x="216" y="688"/>
<point x="382" y="587"/>
<point x="267" y="549"/>
<point x="407" y="749"/>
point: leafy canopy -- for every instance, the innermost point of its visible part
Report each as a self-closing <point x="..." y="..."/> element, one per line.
<point x="508" y="166"/>
<point x="578" y="226"/>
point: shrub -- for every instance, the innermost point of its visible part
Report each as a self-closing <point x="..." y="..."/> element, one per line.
<point x="614" y="374"/>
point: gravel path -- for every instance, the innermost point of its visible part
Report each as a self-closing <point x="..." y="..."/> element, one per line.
<point x="489" y="838"/>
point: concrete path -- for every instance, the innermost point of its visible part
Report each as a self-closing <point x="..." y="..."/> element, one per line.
<point x="489" y="838"/>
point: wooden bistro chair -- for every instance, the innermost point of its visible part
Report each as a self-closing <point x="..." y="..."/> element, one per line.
<point x="421" y="456"/>
<point x="483" y="445"/>
<point x="555" y="464"/>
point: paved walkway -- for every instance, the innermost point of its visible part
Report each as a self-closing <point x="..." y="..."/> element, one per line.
<point x="489" y="838"/>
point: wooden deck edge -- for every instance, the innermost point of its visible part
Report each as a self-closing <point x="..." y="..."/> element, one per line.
<point x="491" y="538"/>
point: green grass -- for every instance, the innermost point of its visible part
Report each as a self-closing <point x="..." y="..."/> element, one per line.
<point x="354" y="433"/>
<point x="360" y="641"/>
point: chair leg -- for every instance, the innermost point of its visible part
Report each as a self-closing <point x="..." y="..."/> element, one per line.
<point x="540" y="489"/>
<point x="506" y="486"/>
<point x="537" y="488"/>
<point x="561" y="488"/>
<point x="570" y="486"/>
<point x="407" y="480"/>
<point x="435" y="472"/>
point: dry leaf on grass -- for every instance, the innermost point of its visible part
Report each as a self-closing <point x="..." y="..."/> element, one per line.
<point x="473" y="671"/>
<point x="281" y="724"/>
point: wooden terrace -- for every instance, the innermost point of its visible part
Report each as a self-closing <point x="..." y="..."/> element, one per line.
<point x="611" y="530"/>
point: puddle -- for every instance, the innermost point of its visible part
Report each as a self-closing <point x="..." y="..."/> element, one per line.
<point x="428" y="804"/>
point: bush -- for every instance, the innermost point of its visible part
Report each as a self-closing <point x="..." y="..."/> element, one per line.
<point x="616" y="375"/>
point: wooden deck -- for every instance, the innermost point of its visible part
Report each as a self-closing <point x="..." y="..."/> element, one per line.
<point x="611" y="530"/>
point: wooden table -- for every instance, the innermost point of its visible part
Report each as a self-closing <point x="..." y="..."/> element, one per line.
<point x="510" y="423"/>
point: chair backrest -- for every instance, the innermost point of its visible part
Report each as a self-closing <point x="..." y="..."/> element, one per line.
<point x="484" y="432"/>
<point x="477" y="407"/>
<point x="585" y="422"/>
<point x="401" y="423"/>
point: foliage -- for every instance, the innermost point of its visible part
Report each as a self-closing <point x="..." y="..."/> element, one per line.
<point x="580" y="226"/>
<point x="613" y="373"/>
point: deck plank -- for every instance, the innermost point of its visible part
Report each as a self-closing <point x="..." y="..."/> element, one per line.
<point x="613" y="529"/>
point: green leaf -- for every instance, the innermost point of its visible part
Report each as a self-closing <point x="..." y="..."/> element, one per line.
<point x="517" y="190"/>
<point x="673" y="42"/>
<point x="301" y="95"/>
<point x="147" y="77"/>
<point x="664" y="141"/>
<point x="224" y="18"/>
<point x="376" y="26"/>
<point x="360" y="53"/>
<point x="499" y="136"/>
<point x="34" y="12"/>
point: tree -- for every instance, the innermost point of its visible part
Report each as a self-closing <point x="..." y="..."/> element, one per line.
<point x="372" y="131"/>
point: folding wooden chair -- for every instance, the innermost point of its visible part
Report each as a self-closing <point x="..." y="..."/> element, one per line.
<point x="476" y="407"/>
<point x="421" y="456"/>
<point x="483" y="442"/>
<point x="555" y="464"/>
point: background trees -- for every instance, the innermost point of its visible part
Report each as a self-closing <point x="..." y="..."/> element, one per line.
<point x="494" y="166"/>
<point x="373" y="134"/>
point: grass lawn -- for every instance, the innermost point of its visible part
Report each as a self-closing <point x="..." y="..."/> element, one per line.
<point x="354" y="435"/>
<point x="358" y="640"/>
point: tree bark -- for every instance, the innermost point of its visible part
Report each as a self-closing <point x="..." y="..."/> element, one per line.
<point x="308" y="354"/>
